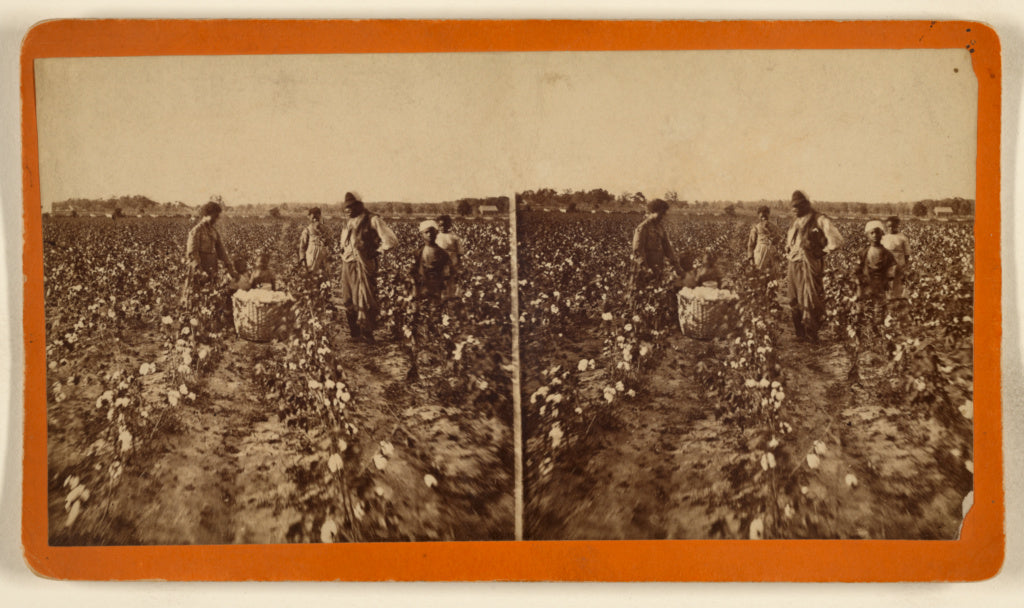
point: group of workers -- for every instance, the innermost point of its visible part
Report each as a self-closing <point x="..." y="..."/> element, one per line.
<point x="882" y="268"/>
<point x="364" y="236"/>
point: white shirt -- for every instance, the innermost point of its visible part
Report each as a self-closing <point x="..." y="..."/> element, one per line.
<point x="794" y="240"/>
<point x="348" y="250"/>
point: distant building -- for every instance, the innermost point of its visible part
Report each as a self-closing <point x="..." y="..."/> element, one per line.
<point x="942" y="211"/>
<point x="487" y="209"/>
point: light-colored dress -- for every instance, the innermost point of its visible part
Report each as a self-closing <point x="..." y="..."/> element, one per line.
<point x="760" y="244"/>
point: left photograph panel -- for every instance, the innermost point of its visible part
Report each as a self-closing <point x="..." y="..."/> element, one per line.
<point x="277" y="299"/>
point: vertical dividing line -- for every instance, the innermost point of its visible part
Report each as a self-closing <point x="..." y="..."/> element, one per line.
<point x="517" y="405"/>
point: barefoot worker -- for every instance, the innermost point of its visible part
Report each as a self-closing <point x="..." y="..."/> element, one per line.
<point x="811" y="236"/>
<point x="364" y="236"/>
<point x="432" y="275"/>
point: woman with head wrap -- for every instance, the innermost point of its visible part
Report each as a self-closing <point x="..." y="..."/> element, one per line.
<point x="432" y="269"/>
<point x="431" y="275"/>
<point x="810" y="237"/>
<point x="876" y="264"/>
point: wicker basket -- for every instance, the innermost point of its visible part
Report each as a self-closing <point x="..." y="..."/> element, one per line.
<point x="705" y="311"/>
<point x="258" y="320"/>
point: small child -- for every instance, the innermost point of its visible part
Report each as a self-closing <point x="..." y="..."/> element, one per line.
<point x="897" y="243"/>
<point x="241" y="281"/>
<point x="876" y="264"/>
<point x="432" y="269"/>
<point x="709" y="274"/>
<point x="263" y="277"/>
<point x="431" y="275"/>
<point x="453" y="245"/>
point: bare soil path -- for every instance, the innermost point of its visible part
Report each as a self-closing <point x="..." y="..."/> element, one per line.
<point x="218" y="473"/>
<point x="666" y="467"/>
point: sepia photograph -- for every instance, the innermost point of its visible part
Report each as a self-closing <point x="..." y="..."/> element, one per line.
<point x="277" y="299"/>
<point x="400" y="300"/>
<point x="746" y="294"/>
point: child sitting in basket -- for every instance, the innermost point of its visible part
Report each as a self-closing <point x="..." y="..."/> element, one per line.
<point x="709" y="274"/>
<point x="262" y="277"/>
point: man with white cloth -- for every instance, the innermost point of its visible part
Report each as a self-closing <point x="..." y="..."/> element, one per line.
<point x="811" y="236"/>
<point x="364" y="236"/>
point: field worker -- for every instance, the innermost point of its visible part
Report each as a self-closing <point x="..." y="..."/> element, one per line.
<point x="761" y="243"/>
<point x="876" y="264"/>
<point x="203" y="250"/>
<point x="432" y="270"/>
<point x="453" y="245"/>
<point x="651" y="247"/>
<point x="313" y="243"/>
<point x="811" y="236"/>
<point x="364" y="236"/>
<point x="897" y="243"/>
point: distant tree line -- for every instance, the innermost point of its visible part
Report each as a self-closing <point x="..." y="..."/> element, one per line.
<point x="600" y="199"/>
<point x="141" y="205"/>
<point x="119" y="206"/>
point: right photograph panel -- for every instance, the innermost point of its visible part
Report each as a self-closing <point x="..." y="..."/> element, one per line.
<point x="745" y="296"/>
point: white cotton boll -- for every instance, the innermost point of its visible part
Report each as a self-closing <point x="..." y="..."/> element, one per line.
<point x="757" y="529"/>
<point x="328" y="531"/>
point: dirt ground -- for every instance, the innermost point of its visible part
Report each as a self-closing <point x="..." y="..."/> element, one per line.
<point x="217" y="471"/>
<point x="665" y="466"/>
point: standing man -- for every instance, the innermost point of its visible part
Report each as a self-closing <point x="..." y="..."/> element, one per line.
<point x="811" y="236"/>
<point x="313" y="243"/>
<point x="651" y="248"/>
<point x="364" y="236"/>
<point x="897" y="243"/>
<point x="203" y="250"/>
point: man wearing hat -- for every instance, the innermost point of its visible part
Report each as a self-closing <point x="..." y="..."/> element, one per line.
<point x="313" y="243"/>
<point x="364" y="236"/>
<point x="651" y="247"/>
<point x="811" y="236"/>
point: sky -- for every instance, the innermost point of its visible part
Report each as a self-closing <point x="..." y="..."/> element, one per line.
<point x="866" y="126"/>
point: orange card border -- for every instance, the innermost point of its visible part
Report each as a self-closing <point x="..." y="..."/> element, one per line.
<point x="979" y="552"/>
